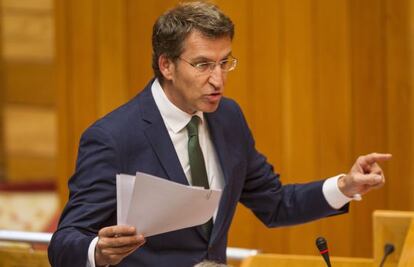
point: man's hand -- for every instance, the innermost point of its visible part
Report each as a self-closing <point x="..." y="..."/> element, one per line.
<point x="365" y="175"/>
<point x="115" y="243"/>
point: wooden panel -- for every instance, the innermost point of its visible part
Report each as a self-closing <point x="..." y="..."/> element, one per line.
<point x="30" y="143"/>
<point x="345" y="68"/>
<point x="333" y="89"/>
<point x="238" y="83"/>
<point x="29" y="4"/>
<point x="269" y="67"/>
<point x="244" y="231"/>
<point x="28" y="30"/>
<point x="77" y="79"/>
<point x="263" y="111"/>
<point x="66" y="152"/>
<point x="26" y="168"/>
<point x="92" y="75"/>
<point x="36" y="88"/>
<point x="368" y="100"/>
<point x="390" y="227"/>
<point x="2" y="101"/>
<point x="400" y="102"/>
<point x="30" y="130"/>
<point x="112" y="77"/>
<point x="29" y="137"/>
<point x="299" y="134"/>
<point x="140" y="18"/>
<point x="14" y="256"/>
<point x="302" y="260"/>
<point x="83" y="76"/>
<point x="267" y="120"/>
<point x="407" y="255"/>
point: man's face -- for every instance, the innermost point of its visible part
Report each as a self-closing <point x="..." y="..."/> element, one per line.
<point x="192" y="90"/>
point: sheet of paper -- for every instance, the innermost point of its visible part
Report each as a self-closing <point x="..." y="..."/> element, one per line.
<point x="124" y="188"/>
<point x="155" y="205"/>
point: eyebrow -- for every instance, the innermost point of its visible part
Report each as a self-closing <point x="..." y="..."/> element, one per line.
<point x="203" y="58"/>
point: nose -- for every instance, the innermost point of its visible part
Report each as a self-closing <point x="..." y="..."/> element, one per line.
<point x="217" y="77"/>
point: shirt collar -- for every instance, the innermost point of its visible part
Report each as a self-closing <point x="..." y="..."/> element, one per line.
<point x="174" y="117"/>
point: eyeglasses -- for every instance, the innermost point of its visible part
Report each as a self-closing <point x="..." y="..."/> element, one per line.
<point x="226" y="65"/>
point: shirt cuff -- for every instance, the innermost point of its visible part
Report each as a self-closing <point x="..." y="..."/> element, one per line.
<point x="91" y="253"/>
<point x="335" y="198"/>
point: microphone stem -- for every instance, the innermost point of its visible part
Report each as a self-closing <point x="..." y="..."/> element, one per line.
<point x="326" y="258"/>
<point x="383" y="259"/>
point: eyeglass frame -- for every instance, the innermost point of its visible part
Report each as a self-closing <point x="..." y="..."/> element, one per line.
<point x="212" y="65"/>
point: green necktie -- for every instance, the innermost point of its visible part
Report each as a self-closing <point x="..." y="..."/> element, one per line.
<point x="197" y="164"/>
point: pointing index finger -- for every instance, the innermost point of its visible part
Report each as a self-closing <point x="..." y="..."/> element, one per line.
<point x="376" y="157"/>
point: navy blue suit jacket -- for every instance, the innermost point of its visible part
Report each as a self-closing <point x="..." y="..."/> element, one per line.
<point x="134" y="138"/>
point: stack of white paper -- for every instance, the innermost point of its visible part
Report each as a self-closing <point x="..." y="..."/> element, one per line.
<point x="155" y="205"/>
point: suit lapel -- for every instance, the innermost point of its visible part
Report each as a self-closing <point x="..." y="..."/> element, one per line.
<point x="217" y="136"/>
<point x="158" y="136"/>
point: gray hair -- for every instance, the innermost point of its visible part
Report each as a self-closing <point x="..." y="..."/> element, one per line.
<point x="172" y="28"/>
<point x="210" y="264"/>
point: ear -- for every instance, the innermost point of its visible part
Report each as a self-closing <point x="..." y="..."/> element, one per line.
<point x="166" y="67"/>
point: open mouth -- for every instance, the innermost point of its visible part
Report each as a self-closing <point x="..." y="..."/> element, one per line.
<point x="214" y="97"/>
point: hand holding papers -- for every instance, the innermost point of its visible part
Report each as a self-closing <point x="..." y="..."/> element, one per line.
<point x="155" y="205"/>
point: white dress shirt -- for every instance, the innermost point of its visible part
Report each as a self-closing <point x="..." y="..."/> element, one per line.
<point x="176" y="121"/>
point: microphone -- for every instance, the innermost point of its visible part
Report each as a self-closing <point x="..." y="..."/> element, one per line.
<point x="388" y="249"/>
<point x="323" y="249"/>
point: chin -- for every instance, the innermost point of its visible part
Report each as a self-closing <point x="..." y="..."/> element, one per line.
<point x="209" y="108"/>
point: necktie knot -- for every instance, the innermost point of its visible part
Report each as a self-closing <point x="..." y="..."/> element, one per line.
<point x="192" y="126"/>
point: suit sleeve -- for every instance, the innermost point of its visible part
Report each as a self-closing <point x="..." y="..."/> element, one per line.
<point x="92" y="199"/>
<point x="272" y="202"/>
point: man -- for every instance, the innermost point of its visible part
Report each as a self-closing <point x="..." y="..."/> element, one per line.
<point x="181" y="128"/>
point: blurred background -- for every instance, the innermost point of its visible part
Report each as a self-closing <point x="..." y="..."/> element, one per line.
<point x="28" y="121"/>
<point x="320" y="82"/>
